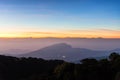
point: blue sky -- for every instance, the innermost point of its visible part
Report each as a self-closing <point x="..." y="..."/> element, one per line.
<point x="59" y="15"/>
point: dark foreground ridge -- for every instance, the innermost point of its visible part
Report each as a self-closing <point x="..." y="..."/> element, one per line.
<point x="12" y="68"/>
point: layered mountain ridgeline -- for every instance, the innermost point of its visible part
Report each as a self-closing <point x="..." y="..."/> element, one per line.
<point x="63" y="51"/>
<point x="12" y="68"/>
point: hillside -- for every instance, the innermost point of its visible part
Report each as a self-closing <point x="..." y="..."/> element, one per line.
<point x="12" y="68"/>
<point x="66" y="52"/>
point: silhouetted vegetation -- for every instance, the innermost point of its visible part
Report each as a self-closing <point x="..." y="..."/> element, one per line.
<point x="12" y="68"/>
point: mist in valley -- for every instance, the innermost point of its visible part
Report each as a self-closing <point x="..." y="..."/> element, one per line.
<point x="19" y="46"/>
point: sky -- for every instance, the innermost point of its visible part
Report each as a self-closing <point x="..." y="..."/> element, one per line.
<point x="60" y="18"/>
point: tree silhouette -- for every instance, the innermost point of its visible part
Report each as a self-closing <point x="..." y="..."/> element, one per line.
<point x="12" y="68"/>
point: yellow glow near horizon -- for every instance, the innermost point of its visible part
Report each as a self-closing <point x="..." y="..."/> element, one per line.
<point x="73" y="34"/>
<point x="104" y="33"/>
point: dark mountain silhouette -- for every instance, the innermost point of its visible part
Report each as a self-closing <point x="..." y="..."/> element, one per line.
<point x="13" y="68"/>
<point x="66" y="52"/>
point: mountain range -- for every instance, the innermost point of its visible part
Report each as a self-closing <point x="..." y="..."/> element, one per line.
<point x="63" y="51"/>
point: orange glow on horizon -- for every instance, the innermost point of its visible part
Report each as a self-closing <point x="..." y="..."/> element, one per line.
<point x="64" y="34"/>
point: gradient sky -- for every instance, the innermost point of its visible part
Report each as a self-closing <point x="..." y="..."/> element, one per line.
<point x="60" y="18"/>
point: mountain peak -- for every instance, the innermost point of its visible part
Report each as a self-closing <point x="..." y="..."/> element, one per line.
<point x="62" y="45"/>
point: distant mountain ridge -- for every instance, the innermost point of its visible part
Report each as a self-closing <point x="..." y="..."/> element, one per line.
<point x="12" y="52"/>
<point x="66" y="52"/>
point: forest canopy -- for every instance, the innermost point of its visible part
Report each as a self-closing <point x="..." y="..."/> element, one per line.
<point x="12" y="68"/>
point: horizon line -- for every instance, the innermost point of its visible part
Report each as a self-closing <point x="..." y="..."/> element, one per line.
<point x="55" y="38"/>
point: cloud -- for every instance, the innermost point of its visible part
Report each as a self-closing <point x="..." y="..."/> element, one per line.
<point x="105" y="33"/>
<point x="93" y="30"/>
<point x="33" y="33"/>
